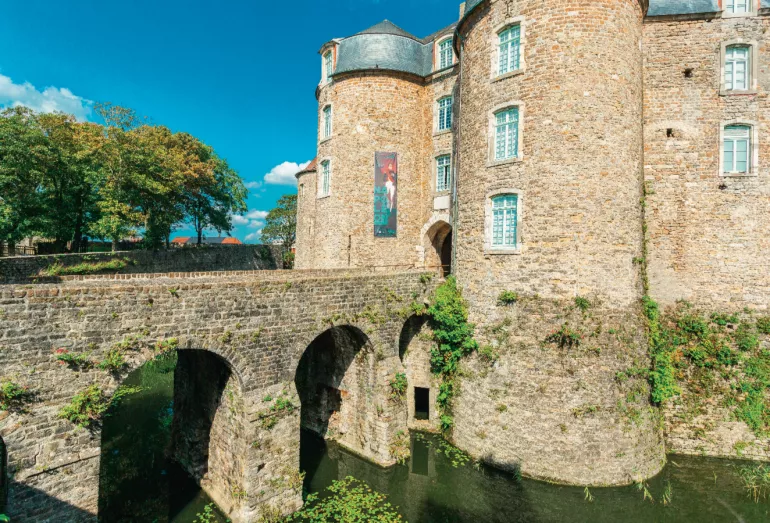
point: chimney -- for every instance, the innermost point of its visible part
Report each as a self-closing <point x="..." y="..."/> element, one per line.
<point x="462" y="10"/>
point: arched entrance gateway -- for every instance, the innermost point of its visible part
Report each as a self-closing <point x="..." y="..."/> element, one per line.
<point x="437" y="244"/>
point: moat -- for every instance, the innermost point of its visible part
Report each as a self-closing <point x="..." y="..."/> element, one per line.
<point x="437" y="485"/>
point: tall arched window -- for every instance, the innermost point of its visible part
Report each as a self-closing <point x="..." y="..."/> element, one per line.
<point x="324" y="188"/>
<point x="509" y="50"/>
<point x="445" y="114"/>
<point x="446" y="55"/>
<point x="737" y="149"/>
<point x="507" y="134"/>
<point x="737" y="68"/>
<point x="327" y="122"/>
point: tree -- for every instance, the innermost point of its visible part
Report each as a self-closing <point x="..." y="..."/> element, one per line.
<point x="24" y="152"/>
<point x="281" y="227"/>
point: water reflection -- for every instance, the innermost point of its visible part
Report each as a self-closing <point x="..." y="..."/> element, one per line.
<point x="138" y="482"/>
<point x="430" y="490"/>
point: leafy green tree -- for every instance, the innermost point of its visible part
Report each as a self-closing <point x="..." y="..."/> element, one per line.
<point x="24" y="153"/>
<point x="281" y="227"/>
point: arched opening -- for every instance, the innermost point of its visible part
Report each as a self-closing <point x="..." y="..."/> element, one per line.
<point x="331" y="381"/>
<point x="3" y="476"/>
<point x="168" y="450"/>
<point x="438" y="247"/>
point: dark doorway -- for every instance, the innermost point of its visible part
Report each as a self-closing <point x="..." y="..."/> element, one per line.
<point x="446" y="256"/>
<point x="421" y="403"/>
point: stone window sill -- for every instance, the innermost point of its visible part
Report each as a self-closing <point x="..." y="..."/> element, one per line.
<point x="502" y="252"/>
<point x="500" y="78"/>
<point x="725" y="92"/>
<point x="441" y="193"/>
<point x="752" y="174"/>
<point x="443" y="132"/>
<point x="496" y="163"/>
<point x="322" y="196"/>
<point x="324" y="140"/>
<point x="725" y="14"/>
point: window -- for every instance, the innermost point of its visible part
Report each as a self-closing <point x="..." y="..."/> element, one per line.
<point x="326" y="176"/>
<point x="301" y="190"/>
<point x="327" y="124"/>
<point x="445" y="114"/>
<point x="443" y="172"/>
<point x="737" y="70"/>
<point x="504" y="221"/>
<point x="507" y="134"/>
<point x="737" y="149"/>
<point x="738" y="6"/>
<point x="446" y="55"/>
<point x="328" y="66"/>
<point x="421" y="403"/>
<point x="509" y="50"/>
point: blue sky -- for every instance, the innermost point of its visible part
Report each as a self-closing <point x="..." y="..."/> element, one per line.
<point x="240" y="75"/>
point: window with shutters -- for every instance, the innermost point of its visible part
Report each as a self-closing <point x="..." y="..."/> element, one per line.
<point x="444" y="114"/>
<point x="509" y="50"/>
<point x="443" y="172"/>
<point x="445" y="54"/>
<point x="327" y="123"/>
<point x="324" y="186"/>
<point x="503" y="222"/>
<point x="737" y="71"/>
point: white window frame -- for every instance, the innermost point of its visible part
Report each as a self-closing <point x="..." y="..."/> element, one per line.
<point x="752" y="70"/>
<point x="753" y="153"/>
<point x="325" y="73"/>
<point x="324" y="128"/>
<point x="441" y="120"/>
<point x="324" y="186"/>
<point x="447" y="174"/>
<point x="751" y="8"/>
<point x="489" y="248"/>
<point x="440" y="56"/>
<point x="495" y="46"/>
<point x="492" y="134"/>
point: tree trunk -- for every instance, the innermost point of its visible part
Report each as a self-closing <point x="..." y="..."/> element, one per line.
<point x="168" y="241"/>
<point x="200" y="236"/>
<point x="77" y="238"/>
<point x="11" y="248"/>
<point x="114" y="245"/>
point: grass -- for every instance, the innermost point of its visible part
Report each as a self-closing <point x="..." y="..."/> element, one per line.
<point x="57" y="269"/>
<point x="756" y="480"/>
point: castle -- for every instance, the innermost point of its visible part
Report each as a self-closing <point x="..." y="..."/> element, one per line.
<point x="555" y="149"/>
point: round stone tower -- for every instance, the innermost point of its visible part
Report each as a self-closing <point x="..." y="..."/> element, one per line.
<point x="377" y="134"/>
<point x="549" y="184"/>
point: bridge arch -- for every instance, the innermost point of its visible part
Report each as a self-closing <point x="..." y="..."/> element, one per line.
<point x="193" y="404"/>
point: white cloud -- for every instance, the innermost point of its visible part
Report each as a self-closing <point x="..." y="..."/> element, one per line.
<point x="48" y="100"/>
<point x="253" y="185"/>
<point x="257" y="215"/>
<point x="284" y="174"/>
<point x="240" y="220"/>
<point x="254" y="237"/>
<point x="256" y="223"/>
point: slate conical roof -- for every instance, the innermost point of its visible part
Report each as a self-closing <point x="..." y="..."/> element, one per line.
<point x="386" y="27"/>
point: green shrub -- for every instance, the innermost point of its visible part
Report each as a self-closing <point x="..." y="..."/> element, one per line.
<point x="167" y="345"/>
<point x="746" y="338"/>
<point x="398" y="386"/>
<point x="763" y="325"/>
<point x="348" y="500"/>
<point x="565" y="337"/>
<point x="582" y="303"/>
<point x="756" y="480"/>
<point x="489" y="353"/>
<point x="91" y="405"/>
<point x="724" y="319"/>
<point x="80" y="361"/>
<point x="13" y="396"/>
<point x="507" y="298"/>
<point x="114" y="361"/>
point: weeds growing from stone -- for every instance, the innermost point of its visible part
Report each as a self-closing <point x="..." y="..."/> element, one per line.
<point x="13" y="396"/>
<point x="89" y="406"/>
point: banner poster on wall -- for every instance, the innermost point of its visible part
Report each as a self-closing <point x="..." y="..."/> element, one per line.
<point x="385" y="195"/>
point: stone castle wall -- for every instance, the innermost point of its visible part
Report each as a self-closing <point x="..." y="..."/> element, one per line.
<point x="230" y="258"/>
<point x="258" y="324"/>
<point x="708" y="234"/>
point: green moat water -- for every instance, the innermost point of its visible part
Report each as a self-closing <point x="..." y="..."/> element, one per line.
<point x="140" y="484"/>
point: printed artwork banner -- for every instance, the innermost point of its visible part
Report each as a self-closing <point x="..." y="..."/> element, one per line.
<point x="385" y="195"/>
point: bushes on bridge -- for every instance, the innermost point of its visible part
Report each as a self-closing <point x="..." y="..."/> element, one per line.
<point x="91" y="405"/>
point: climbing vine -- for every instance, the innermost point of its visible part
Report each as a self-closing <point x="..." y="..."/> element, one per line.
<point x="453" y="336"/>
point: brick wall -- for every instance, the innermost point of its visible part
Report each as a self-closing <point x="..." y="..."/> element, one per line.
<point x="231" y="258"/>
<point x="708" y="240"/>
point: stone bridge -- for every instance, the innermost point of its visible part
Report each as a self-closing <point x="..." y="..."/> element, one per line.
<point x="253" y="348"/>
